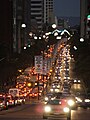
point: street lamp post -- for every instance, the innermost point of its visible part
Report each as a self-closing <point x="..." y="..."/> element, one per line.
<point x="19" y="34"/>
<point x="19" y="37"/>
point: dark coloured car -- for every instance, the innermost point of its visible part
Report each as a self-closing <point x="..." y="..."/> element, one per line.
<point x="49" y="96"/>
<point x="10" y="100"/>
<point x="83" y="100"/>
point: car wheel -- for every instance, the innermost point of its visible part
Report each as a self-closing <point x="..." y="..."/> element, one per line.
<point x="6" y="107"/>
<point x="23" y="102"/>
<point x="68" y="118"/>
<point x="85" y="107"/>
<point x="45" y="117"/>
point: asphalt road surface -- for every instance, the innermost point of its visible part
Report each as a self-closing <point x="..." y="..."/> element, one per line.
<point x="34" y="111"/>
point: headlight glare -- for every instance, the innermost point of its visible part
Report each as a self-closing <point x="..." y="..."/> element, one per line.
<point x="47" y="108"/>
<point x="87" y="100"/>
<point x="46" y="98"/>
<point x="66" y="109"/>
<point x="78" y="99"/>
<point x="71" y="102"/>
<point x="51" y="90"/>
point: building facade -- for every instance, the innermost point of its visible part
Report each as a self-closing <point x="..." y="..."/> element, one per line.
<point x="41" y="13"/>
<point x="6" y="29"/>
<point x="36" y="14"/>
<point x="21" y="24"/>
<point x="33" y="13"/>
<point x="49" y="11"/>
<point x="84" y="12"/>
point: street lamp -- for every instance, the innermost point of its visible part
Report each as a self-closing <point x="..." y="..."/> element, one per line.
<point x="75" y="48"/>
<point x="54" y="26"/>
<point x="23" y="25"/>
<point x="30" y="34"/>
<point x="81" y="40"/>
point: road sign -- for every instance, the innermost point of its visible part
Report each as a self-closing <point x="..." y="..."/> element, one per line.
<point x="38" y="64"/>
<point x="44" y="67"/>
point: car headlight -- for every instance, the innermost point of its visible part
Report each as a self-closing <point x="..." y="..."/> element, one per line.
<point x="75" y="80"/>
<point x="58" y="86"/>
<point x="47" y="108"/>
<point x="1" y="103"/>
<point x="45" y="102"/>
<point x="71" y="102"/>
<point x="51" y="90"/>
<point x="46" y="98"/>
<point x="87" y="100"/>
<point x="66" y="109"/>
<point x="56" y="90"/>
<point x="53" y="86"/>
<point x="78" y="99"/>
<point x="7" y="103"/>
<point x="53" y="98"/>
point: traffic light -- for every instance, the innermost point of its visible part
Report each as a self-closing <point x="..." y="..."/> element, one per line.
<point x="88" y="21"/>
<point x="88" y="26"/>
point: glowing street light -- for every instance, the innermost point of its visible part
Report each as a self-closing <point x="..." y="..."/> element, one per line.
<point x="35" y="37"/>
<point x="75" y="48"/>
<point x="81" y="40"/>
<point x="54" y="26"/>
<point x="31" y="34"/>
<point x="25" y="47"/>
<point x="23" y="25"/>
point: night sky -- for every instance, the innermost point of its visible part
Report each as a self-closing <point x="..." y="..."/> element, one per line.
<point x="67" y="8"/>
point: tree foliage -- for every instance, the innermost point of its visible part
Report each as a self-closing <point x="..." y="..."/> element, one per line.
<point x="82" y="58"/>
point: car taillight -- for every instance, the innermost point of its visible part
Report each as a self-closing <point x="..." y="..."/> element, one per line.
<point x="35" y="94"/>
<point x="63" y="102"/>
<point x="30" y="94"/>
<point x="10" y="101"/>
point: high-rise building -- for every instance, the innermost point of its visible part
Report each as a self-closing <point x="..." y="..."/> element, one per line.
<point x="37" y="16"/>
<point x="21" y="15"/>
<point x="6" y="28"/>
<point x="82" y="17"/>
<point x="88" y="20"/>
<point x="84" y="12"/>
<point x="41" y="13"/>
<point x="49" y="12"/>
<point x="33" y="13"/>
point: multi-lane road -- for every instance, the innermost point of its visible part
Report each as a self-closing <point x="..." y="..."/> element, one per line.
<point x="34" y="111"/>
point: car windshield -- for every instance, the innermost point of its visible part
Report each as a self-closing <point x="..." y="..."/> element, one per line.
<point x="58" y="95"/>
<point x="54" y="102"/>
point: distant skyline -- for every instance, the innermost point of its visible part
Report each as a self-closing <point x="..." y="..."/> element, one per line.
<point x="67" y="8"/>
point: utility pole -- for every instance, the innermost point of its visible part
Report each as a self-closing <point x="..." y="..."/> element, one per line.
<point x="19" y="36"/>
<point x="14" y="26"/>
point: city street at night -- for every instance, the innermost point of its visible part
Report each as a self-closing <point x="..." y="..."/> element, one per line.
<point x="45" y="60"/>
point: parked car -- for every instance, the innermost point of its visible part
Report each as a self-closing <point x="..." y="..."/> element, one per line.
<point x="10" y="100"/>
<point x="19" y="100"/>
<point x="3" y="102"/>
